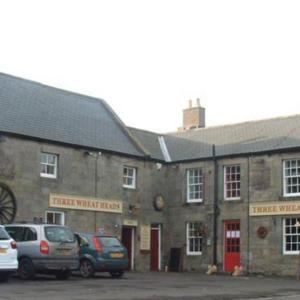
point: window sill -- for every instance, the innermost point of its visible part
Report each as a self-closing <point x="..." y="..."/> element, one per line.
<point x="195" y="203"/>
<point x="232" y="199"/>
<point x="129" y="187"/>
<point x="48" y="176"/>
<point x="194" y="254"/>
<point x="240" y="200"/>
<point x="290" y="253"/>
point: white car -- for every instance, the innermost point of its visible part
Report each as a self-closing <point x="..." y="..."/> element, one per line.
<point x="8" y="255"/>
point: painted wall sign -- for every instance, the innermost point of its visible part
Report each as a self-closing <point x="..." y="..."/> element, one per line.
<point x="85" y="203"/>
<point x="145" y="237"/>
<point x="127" y="222"/>
<point x="274" y="208"/>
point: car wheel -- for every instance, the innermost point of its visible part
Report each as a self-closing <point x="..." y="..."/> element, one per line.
<point x="116" y="274"/>
<point x="62" y="275"/>
<point x="86" y="268"/>
<point x="26" y="269"/>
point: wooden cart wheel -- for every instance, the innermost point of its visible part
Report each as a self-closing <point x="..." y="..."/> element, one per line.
<point x="8" y="205"/>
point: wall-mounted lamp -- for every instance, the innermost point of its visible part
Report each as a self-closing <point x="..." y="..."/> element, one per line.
<point x="88" y="153"/>
<point x="130" y="208"/>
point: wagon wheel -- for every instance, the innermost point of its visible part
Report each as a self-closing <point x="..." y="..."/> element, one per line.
<point x="8" y="205"/>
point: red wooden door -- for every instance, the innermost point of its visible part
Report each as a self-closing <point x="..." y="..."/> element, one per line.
<point x="232" y="236"/>
<point x="127" y="242"/>
<point x="154" y="262"/>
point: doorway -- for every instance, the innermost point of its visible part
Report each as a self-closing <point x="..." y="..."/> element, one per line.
<point x="128" y="242"/>
<point x="232" y="247"/>
<point x="155" y="259"/>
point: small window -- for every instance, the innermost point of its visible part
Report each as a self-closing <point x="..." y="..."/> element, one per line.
<point x="291" y="177"/>
<point x="3" y="234"/>
<point x="59" y="234"/>
<point x="129" y="177"/>
<point x="194" y="185"/>
<point x="232" y="182"/>
<point x="291" y="236"/>
<point x="48" y="165"/>
<point x="193" y="238"/>
<point x="110" y="241"/>
<point x="55" y="217"/>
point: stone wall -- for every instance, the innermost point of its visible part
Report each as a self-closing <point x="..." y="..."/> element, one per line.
<point x="261" y="181"/>
<point x="20" y="170"/>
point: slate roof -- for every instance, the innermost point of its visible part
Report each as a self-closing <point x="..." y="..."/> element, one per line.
<point x="178" y="148"/>
<point x="38" y="111"/>
<point x="249" y="137"/>
<point x="31" y="109"/>
<point x="150" y="141"/>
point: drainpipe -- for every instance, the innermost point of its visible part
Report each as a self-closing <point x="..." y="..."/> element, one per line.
<point x="248" y="216"/>
<point x="96" y="187"/>
<point x="216" y="210"/>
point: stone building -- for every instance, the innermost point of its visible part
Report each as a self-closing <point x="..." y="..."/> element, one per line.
<point x="227" y="195"/>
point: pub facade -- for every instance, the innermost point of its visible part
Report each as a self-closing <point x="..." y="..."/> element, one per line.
<point x="227" y="195"/>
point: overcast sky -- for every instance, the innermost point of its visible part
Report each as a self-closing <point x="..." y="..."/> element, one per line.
<point x="147" y="58"/>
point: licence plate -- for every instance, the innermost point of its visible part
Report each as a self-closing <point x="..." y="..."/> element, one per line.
<point x="116" y="255"/>
<point x="64" y="252"/>
<point x="3" y="250"/>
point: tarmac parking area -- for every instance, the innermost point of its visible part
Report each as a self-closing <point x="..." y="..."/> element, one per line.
<point x="158" y="286"/>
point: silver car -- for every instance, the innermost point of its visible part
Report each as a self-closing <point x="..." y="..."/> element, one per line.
<point x="45" y="249"/>
<point x="8" y="254"/>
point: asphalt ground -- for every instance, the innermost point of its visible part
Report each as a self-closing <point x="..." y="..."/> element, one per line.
<point x="156" y="286"/>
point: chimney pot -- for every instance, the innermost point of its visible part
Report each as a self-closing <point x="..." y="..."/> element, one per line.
<point x="198" y="102"/>
<point x="190" y="103"/>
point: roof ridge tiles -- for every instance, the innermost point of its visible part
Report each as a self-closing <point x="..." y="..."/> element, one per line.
<point x="84" y="96"/>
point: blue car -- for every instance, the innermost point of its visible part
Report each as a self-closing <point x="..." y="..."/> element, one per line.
<point x="101" y="253"/>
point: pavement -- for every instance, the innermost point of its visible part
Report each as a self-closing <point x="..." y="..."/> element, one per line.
<point x="153" y="286"/>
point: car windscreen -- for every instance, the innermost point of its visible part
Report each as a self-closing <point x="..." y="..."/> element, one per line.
<point x="57" y="234"/>
<point x="3" y="234"/>
<point x="109" y="241"/>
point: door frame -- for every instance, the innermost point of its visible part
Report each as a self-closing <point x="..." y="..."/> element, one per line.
<point x="132" y="229"/>
<point x="157" y="226"/>
<point x="224" y="239"/>
<point x="132" y="248"/>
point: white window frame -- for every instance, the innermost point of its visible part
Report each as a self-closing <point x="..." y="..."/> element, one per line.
<point x="285" y="177"/>
<point x="43" y="163"/>
<point x="225" y="183"/>
<point x="201" y="186"/>
<point x="133" y="185"/>
<point x="284" y="235"/>
<point x="188" y="237"/>
<point x="55" y="212"/>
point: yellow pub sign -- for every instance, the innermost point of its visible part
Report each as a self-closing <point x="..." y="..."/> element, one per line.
<point x="85" y="203"/>
<point x="274" y="208"/>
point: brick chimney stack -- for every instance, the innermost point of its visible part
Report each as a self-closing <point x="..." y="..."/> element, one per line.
<point x="193" y="117"/>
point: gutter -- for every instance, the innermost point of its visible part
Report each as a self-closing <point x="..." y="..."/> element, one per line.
<point x="246" y="154"/>
<point x="78" y="147"/>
